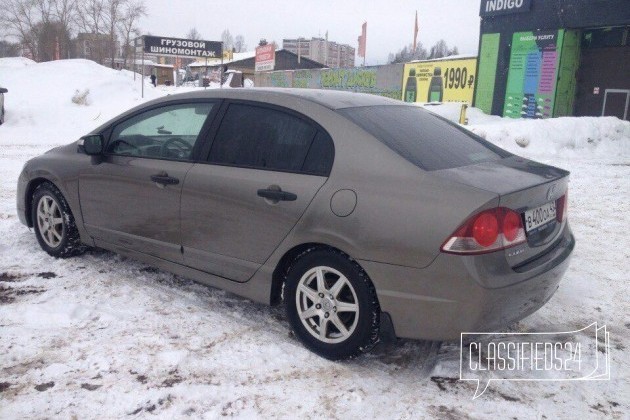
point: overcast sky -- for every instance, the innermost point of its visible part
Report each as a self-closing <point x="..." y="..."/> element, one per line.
<point x="389" y="28"/>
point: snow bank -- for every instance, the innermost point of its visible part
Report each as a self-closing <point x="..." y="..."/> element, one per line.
<point x="39" y="107"/>
<point x="567" y="137"/>
<point x="15" y="62"/>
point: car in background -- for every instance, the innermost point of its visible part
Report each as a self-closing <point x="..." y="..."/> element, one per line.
<point x="2" y="92"/>
<point x="353" y="209"/>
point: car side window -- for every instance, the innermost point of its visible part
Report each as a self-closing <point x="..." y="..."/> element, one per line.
<point x="169" y="132"/>
<point x="259" y="137"/>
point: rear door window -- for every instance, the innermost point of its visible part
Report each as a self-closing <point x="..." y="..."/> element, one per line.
<point x="426" y="140"/>
<point x="266" y="138"/>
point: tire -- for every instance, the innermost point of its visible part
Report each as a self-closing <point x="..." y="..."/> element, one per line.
<point x="55" y="228"/>
<point x="325" y="287"/>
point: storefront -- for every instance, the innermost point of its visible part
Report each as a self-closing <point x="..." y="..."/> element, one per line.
<point x="541" y="58"/>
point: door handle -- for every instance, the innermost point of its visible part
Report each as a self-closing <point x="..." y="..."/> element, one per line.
<point x="164" y="179"/>
<point x="277" y="195"/>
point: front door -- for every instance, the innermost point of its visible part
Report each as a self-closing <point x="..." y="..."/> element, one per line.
<point x="131" y="199"/>
<point x="264" y="168"/>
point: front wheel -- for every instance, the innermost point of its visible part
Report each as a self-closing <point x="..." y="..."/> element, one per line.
<point x="54" y="224"/>
<point x="332" y="305"/>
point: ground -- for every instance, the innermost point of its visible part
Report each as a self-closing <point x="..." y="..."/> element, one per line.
<point x="103" y="336"/>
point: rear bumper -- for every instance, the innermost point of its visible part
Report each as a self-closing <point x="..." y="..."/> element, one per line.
<point x="458" y="294"/>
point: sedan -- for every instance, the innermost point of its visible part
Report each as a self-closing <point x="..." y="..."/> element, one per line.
<point x="355" y="211"/>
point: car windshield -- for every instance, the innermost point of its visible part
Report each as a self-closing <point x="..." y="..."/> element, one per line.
<point x="426" y="140"/>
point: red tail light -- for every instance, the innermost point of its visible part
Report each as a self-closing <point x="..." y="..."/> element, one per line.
<point x="488" y="231"/>
<point x="561" y="207"/>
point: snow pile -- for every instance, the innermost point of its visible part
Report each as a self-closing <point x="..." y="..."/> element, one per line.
<point x="567" y="137"/>
<point x="15" y="62"/>
<point x="40" y="108"/>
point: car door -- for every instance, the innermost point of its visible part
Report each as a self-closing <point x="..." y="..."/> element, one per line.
<point x="264" y="166"/>
<point x="131" y="198"/>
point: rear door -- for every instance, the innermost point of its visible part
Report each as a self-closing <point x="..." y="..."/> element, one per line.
<point x="131" y="199"/>
<point x="264" y="166"/>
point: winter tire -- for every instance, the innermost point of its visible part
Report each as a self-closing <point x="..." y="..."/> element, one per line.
<point x="331" y="304"/>
<point x="54" y="224"/>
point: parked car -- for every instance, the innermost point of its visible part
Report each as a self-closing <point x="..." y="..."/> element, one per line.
<point x="2" y="92"/>
<point x="353" y="209"/>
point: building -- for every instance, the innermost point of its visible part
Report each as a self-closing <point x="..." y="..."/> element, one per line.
<point x="540" y="58"/>
<point x="330" y="53"/>
<point x="246" y="63"/>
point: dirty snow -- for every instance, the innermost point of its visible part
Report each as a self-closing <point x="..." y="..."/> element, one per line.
<point x="104" y="336"/>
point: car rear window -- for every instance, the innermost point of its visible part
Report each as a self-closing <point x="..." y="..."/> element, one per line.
<point x="426" y="140"/>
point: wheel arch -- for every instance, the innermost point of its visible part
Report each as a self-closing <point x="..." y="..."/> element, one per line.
<point x="281" y="269"/>
<point x="28" y="196"/>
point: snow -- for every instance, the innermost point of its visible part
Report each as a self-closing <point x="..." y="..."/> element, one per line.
<point x="105" y="336"/>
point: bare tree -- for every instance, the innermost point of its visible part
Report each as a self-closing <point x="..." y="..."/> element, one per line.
<point x="31" y="20"/>
<point x="127" y="27"/>
<point x="239" y="44"/>
<point x="193" y="34"/>
<point x="407" y="53"/>
<point x="227" y="39"/>
<point x="439" y="50"/>
<point x="91" y="16"/>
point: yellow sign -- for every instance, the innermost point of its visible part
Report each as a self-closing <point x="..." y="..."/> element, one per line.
<point x="440" y="81"/>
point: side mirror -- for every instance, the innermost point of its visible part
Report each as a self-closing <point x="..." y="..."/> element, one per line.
<point x="91" y="145"/>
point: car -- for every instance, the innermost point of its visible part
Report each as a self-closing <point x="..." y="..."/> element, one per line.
<point x="356" y="211"/>
<point x="2" y="92"/>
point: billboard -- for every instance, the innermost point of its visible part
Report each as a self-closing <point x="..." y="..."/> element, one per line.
<point x="161" y="45"/>
<point x="265" y="57"/>
<point x="533" y="74"/>
<point x="448" y="80"/>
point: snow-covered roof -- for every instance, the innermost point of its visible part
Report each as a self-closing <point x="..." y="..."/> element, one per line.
<point x="217" y="61"/>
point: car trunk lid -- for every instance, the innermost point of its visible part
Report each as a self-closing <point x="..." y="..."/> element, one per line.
<point x="534" y="190"/>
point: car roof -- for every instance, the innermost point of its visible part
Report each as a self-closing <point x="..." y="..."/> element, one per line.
<point x="333" y="99"/>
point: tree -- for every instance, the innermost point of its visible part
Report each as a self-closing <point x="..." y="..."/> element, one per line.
<point x="439" y="50"/>
<point x="30" y="20"/>
<point x="193" y="34"/>
<point x="127" y="27"/>
<point x="227" y="39"/>
<point x="239" y="44"/>
<point x="407" y="53"/>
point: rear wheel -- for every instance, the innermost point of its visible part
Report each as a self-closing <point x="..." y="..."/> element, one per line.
<point x="331" y="304"/>
<point x="54" y="224"/>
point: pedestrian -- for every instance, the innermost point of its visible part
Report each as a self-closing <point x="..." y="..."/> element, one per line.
<point x="153" y="80"/>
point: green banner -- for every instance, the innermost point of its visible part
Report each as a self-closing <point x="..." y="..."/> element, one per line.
<point x="531" y="86"/>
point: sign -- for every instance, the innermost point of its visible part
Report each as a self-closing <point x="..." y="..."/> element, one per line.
<point x="440" y="81"/>
<point x="160" y="45"/>
<point x="265" y="57"/>
<point x="533" y="74"/>
<point x="596" y="91"/>
<point x="504" y="7"/>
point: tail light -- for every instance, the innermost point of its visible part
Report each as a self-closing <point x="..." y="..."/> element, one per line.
<point x="562" y="204"/>
<point x="488" y="231"/>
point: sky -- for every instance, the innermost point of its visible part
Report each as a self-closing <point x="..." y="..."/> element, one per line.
<point x="389" y="24"/>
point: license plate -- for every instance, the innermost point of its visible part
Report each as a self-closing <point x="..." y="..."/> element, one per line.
<point x="539" y="216"/>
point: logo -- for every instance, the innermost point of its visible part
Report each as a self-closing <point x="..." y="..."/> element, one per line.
<point x="503" y="7"/>
<point x="551" y="192"/>
<point x="580" y="355"/>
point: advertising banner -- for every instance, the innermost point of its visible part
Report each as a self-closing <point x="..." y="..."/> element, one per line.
<point x="161" y="45"/>
<point x="265" y="57"/>
<point x="440" y="81"/>
<point x="531" y="85"/>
